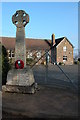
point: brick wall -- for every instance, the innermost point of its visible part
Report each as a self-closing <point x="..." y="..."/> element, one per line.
<point x="30" y="54"/>
<point x="64" y="50"/>
<point x="57" y="53"/>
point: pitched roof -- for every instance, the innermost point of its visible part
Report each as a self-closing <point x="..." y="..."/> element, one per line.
<point x="57" y="41"/>
<point x="36" y="44"/>
<point x="33" y="44"/>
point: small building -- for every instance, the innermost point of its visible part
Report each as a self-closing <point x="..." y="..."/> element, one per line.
<point x="61" y="52"/>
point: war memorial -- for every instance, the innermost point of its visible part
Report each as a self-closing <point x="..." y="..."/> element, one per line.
<point x="20" y="78"/>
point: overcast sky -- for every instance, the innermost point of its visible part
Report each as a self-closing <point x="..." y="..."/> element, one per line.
<point x="46" y="18"/>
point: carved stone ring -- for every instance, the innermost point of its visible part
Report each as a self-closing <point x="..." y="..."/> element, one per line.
<point x="20" y="18"/>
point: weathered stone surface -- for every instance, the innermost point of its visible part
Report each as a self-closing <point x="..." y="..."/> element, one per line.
<point x="20" y="18"/>
<point x="19" y="89"/>
<point x="20" y="77"/>
<point x="20" y="47"/>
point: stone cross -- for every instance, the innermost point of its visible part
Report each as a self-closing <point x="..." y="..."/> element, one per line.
<point x="20" y="19"/>
<point x="20" y="80"/>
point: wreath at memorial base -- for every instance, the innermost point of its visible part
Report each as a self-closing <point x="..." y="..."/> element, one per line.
<point x="19" y="64"/>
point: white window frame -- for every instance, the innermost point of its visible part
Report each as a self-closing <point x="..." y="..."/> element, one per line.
<point x="12" y="53"/>
<point x="38" y="54"/>
<point x="64" y="58"/>
<point x="64" y="48"/>
<point x="29" y="55"/>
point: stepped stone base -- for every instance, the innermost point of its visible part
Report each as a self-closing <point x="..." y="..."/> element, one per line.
<point x="21" y="81"/>
<point x="19" y="89"/>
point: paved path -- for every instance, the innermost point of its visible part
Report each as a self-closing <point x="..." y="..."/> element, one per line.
<point x="48" y="102"/>
<point x="53" y="76"/>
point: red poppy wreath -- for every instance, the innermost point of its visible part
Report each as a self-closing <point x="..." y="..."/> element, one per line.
<point x="19" y="64"/>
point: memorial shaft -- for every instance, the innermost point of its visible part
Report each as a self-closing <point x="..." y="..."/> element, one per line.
<point x="20" y="48"/>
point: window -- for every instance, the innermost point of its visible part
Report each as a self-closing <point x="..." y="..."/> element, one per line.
<point x="29" y="55"/>
<point x="64" y="58"/>
<point x="38" y="54"/>
<point x="12" y="53"/>
<point x="9" y="52"/>
<point x="48" y="58"/>
<point x="64" y="48"/>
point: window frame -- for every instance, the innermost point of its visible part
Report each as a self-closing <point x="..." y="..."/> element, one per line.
<point x="65" y="48"/>
<point x="64" y="58"/>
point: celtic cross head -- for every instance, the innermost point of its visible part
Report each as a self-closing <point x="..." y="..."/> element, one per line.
<point x="20" y="18"/>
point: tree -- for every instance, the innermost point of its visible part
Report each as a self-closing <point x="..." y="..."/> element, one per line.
<point x="79" y="59"/>
<point x="5" y="65"/>
<point x="0" y="66"/>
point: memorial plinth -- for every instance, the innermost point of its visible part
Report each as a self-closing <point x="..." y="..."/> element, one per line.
<point x="20" y="78"/>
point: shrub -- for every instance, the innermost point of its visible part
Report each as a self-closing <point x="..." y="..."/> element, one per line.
<point x="61" y="63"/>
<point x="76" y="62"/>
<point x="5" y="65"/>
<point x="79" y="59"/>
<point x="0" y="66"/>
<point x="29" y="61"/>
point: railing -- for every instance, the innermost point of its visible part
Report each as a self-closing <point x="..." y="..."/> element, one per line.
<point x="47" y="52"/>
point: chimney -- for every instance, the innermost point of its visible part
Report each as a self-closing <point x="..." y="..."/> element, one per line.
<point x="53" y="39"/>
